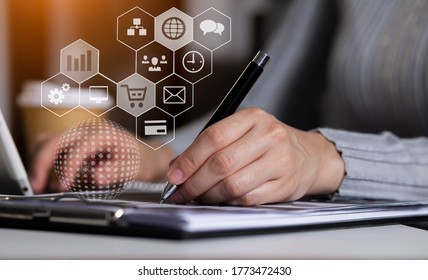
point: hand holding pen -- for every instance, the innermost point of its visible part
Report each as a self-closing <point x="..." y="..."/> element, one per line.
<point x="250" y="158"/>
<point x="231" y="102"/>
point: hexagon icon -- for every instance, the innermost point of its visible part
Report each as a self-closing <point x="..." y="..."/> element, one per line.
<point x="174" y="95"/>
<point x="79" y="61"/>
<point x="155" y="62"/>
<point x="155" y="128"/>
<point x="174" y="29"/>
<point x="98" y="95"/>
<point x="135" y="28"/>
<point x="193" y="62"/>
<point x="136" y="95"/>
<point x="59" y="94"/>
<point x="212" y="29"/>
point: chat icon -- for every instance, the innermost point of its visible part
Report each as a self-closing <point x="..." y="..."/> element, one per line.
<point x="210" y="26"/>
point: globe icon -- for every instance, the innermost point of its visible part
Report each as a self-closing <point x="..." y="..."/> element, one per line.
<point x="173" y="28"/>
<point x="96" y="159"/>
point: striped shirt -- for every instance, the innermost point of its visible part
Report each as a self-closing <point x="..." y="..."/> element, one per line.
<point x="379" y="67"/>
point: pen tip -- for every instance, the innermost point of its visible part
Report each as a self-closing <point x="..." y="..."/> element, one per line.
<point x="162" y="201"/>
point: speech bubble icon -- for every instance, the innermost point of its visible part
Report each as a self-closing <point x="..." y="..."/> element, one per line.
<point x="219" y="29"/>
<point x="208" y="26"/>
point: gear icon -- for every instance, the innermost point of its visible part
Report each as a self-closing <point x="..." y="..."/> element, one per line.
<point x="56" y="96"/>
<point x="65" y="87"/>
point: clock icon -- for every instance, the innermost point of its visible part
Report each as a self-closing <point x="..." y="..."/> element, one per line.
<point x="193" y="61"/>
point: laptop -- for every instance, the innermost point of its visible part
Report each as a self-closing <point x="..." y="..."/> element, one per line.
<point x="13" y="177"/>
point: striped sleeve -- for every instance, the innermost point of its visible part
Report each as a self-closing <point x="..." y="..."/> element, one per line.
<point x="382" y="166"/>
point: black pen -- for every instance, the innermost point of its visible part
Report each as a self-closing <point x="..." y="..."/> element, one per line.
<point x="230" y="103"/>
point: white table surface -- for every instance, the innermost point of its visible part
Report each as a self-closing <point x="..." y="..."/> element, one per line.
<point x="381" y="242"/>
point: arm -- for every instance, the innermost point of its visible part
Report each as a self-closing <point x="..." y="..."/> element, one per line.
<point x="252" y="158"/>
<point x="382" y="166"/>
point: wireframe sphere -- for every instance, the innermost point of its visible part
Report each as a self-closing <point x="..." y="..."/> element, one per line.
<point x="173" y="28"/>
<point x="96" y="159"/>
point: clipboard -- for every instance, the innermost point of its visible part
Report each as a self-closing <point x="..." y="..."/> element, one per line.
<point x="146" y="218"/>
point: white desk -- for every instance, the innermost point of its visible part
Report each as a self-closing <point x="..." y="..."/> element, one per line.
<point x="383" y="242"/>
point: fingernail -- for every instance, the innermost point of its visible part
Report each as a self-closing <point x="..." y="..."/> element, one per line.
<point x="178" y="198"/>
<point x="176" y="176"/>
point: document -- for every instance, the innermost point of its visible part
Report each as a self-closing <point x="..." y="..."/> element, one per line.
<point x="142" y="215"/>
<point x="206" y="219"/>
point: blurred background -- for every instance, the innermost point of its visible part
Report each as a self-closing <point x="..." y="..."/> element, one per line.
<point x="32" y="33"/>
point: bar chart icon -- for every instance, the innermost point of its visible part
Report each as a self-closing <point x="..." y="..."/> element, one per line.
<point x="79" y="61"/>
<point x="82" y="63"/>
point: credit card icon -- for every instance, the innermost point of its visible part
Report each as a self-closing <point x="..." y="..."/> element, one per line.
<point x="155" y="127"/>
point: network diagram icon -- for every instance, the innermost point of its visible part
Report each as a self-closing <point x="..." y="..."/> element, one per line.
<point x="173" y="52"/>
<point x="135" y="28"/>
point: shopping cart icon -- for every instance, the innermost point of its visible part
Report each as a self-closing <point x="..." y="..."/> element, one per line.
<point x="135" y="95"/>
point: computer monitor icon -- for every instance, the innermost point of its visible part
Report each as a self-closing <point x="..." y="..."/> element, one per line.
<point x="98" y="94"/>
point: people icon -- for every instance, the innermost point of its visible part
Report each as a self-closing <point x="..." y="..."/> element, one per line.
<point x="155" y="67"/>
<point x="163" y="60"/>
<point x="145" y="60"/>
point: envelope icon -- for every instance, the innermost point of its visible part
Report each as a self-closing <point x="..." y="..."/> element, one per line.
<point x="174" y="95"/>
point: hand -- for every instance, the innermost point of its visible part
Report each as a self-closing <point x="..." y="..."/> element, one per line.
<point x="42" y="154"/>
<point x="154" y="164"/>
<point x="252" y="158"/>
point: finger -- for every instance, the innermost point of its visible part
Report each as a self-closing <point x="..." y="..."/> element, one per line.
<point x="223" y="163"/>
<point x="40" y="141"/>
<point x="242" y="182"/>
<point x="213" y="139"/>
<point x="78" y="156"/>
<point x="56" y="186"/>
<point x="270" y="192"/>
<point x="172" y="161"/>
<point x="104" y="168"/>
<point x="41" y="165"/>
